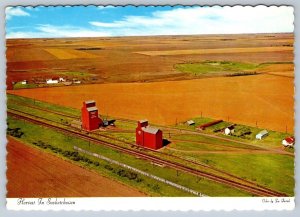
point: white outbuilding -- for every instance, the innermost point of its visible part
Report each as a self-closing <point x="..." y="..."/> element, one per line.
<point x="24" y="82"/>
<point x="190" y="122"/>
<point x="262" y="134"/>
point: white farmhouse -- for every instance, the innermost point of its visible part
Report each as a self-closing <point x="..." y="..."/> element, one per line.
<point x="52" y="81"/>
<point x="288" y="142"/>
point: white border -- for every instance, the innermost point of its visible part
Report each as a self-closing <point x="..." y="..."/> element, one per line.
<point x="154" y="203"/>
<point x="4" y="212"/>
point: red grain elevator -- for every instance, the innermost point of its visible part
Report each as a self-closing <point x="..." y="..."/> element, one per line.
<point x="89" y="116"/>
<point x="148" y="136"/>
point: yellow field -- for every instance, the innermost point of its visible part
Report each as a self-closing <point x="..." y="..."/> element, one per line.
<point x="265" y="100"/>
<point x="64" y="54"/>
<point x="215" y="51"/>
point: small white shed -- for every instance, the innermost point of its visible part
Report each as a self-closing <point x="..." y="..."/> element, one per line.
<point x="262" y="134"/>
<point x="190" y="122"/>
<point x="24" y="82"/>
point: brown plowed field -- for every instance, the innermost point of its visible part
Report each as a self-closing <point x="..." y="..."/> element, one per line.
<point x="118" y="60"/>
<point x="265" y="99"/>
<point x="33" y="173"/>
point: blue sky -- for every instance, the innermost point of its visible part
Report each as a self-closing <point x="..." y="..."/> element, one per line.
<point x="93" y="21"/>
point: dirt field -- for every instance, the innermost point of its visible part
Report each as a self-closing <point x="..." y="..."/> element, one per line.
<point x="265" y="99"/>
<point x="64" y="54"/>
<point x="33" y="173"/>
<point x="118" y="59"/>
<point x="216" y="51"/>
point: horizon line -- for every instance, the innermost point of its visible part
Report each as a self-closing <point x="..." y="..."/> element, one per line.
<point x="127" y="36"/>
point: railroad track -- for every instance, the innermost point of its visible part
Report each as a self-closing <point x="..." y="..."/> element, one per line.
<point x="256" y="190"/>
<point x="46" y="110"/>
<point x="145" y="148"/>
<point x="155" y="151"/>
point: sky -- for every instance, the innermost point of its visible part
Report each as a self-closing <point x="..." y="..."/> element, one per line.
<point x="100" y="21"/>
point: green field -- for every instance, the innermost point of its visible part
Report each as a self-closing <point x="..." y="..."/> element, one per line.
<point x="19" y="85"/>
<point x="13" y="99"/>
<point x="226" y="68"/>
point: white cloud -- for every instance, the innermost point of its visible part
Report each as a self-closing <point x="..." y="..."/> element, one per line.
<point x="178" y="21"/>
<point x="101" y="7"/>
<point x="50" y="31"/>
<point x="11" y="11"/>
<point x="107" y="25"/>
<point x="205" y="20"/>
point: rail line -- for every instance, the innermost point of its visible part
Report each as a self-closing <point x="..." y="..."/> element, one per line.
<point x="145" y="148"/>
<point x="259" y="191"/>
<point x="160" y="153"/>
<point x="169" y="128"/>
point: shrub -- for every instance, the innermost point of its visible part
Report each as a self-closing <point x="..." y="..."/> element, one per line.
<point x="121" y="173"/>
<point x="139" y="180"/>
<point x="15" y="132"/>
<point x="156" y="187"/>
<point x="108" y="167"/>
<point x="76" y="158"/>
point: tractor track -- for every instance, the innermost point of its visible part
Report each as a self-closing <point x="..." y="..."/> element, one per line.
<point x="256" y="190"/>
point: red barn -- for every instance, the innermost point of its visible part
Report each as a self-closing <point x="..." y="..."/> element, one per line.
<point x="147" y="136"/>
<point x="89" y="116"/>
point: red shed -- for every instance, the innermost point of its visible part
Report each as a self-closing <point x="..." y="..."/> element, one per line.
<point x="89" y="116"/>
<point x="147" y="136"/>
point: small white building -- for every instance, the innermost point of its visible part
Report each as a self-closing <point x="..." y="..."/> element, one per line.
<point x="190" y="122"/>
<point x="262" y="134"/>
<point x="52" y="81"/>
<point x="229" y="130"/>
<point x="75" y="81"/>
<point x="61" y="79"/>
<point x="24" y="82"/>
<point x="288" y="142"/>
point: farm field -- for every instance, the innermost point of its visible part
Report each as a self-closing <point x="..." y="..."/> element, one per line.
<point x="126" y="59"/>
<point x="267" y="158"/>
<point x="218" y="76"/>
<point x="34" y="173"/>
<point x="246" y="80"/>
<point x="219" y="98"/>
